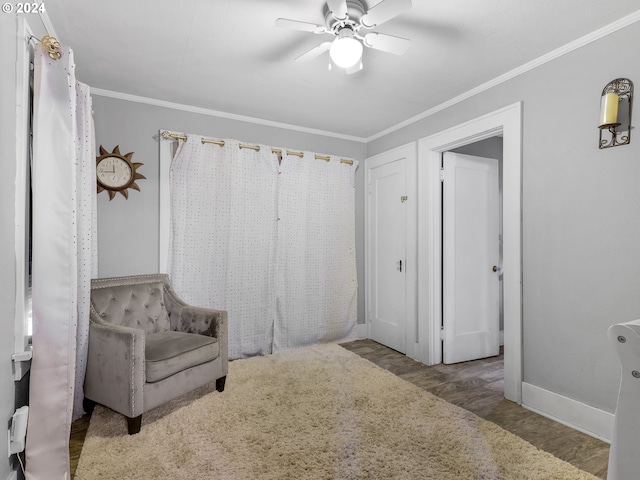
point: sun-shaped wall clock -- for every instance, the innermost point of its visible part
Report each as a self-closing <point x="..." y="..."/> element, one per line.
<point x="116" y="172"/>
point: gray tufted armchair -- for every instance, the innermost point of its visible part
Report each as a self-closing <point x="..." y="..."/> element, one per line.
<point x="146" y="346"/>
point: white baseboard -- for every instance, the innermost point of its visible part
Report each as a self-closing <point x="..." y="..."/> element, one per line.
<point x="569" y="412"/>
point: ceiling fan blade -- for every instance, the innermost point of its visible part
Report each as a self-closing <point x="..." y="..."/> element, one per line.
<point x="387" y="43"/>
<point x="302" y="26"/>
<point x="338" y="9"/>
<point x="314" y="52"/>
<point x="385" y="10"/>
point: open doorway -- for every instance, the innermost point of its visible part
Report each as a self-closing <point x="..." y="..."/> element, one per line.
<point x="471" y="229"/>
<point x="508" y="123"/>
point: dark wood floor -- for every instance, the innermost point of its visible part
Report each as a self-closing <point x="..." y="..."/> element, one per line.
<point x="477" y="386"/>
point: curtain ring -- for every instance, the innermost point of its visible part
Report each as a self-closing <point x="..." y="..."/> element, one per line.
<point x="52" y="46"/>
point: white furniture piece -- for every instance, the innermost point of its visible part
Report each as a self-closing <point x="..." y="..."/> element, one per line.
<point x="624" y="456"/>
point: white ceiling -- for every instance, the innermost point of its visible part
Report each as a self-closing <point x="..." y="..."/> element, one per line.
<point x="228" y="55"/>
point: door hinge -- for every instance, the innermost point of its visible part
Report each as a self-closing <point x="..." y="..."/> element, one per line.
<point x="442" y="174"/>
<point x="441" y="333"/>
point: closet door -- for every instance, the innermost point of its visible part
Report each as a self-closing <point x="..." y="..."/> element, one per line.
<point x="390" y="232"/>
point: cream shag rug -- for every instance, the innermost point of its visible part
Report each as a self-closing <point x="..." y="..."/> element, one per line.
<point x="315" y="413"/>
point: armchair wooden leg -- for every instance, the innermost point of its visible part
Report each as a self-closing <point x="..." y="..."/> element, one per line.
<point x="88" y="405"/>
<point x="220" y="383"/>
<point x="134" y="424"/>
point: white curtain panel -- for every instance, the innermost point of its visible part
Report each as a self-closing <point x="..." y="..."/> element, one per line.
<point x="316" y="283"/>
<point x="62" y="183"/>
<point x="271" y="244"/>
<point x="86" y="199"/>
<point x="222" y="244"/>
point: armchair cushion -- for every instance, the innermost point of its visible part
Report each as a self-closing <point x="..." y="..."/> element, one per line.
<point x="167" y="353"/>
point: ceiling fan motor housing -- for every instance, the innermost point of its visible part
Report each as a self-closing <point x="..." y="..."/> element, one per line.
<point x="355" y="8"/>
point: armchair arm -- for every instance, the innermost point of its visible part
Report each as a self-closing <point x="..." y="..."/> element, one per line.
<point x="205" y="321"/>
<point x="115" y="374"/>
<point x="208" y="322"/>
<point x="191" y="319"/>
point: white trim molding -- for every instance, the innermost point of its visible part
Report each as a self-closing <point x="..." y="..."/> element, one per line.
<point x="164" y="221"/>
<point x="569" y="412"/>
<point x="558" y="52"/>
<point x="48" y="25"/>
<point x="216" y="113"/>
<point x="21" y="359"/>
<point x="508" y="122"/>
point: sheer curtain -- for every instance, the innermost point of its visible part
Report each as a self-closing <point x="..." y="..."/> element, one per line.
<point x="272" y="244"/>
<point x="63" y="186"/>
<point x="222" y="245"/>
<point x="316" y="283"/>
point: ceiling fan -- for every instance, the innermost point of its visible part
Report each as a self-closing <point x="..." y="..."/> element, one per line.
<point x="345" y="19"/>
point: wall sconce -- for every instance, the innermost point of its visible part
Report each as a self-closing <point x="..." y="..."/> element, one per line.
<point x="615" y="113"/>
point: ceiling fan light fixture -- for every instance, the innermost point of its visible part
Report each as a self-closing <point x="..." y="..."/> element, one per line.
<point x="345" y="51"/>
<point x="345" y="19"/>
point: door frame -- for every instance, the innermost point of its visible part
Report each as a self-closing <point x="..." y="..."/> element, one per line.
<point x="508" y="123"/>
<point x="409" y="154"/>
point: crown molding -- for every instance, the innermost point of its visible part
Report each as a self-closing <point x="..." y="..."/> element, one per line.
<point x="216" y="113"/>
<point x="552" y="55"/>
<point x="48" y="25"/>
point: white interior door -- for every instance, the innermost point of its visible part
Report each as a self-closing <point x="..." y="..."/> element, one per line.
<point x="387" y="256"/>
<point x="470" y="258"/>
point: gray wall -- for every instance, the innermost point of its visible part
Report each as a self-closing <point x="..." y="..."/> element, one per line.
<point x="7" y="232"/>
<point x="581" y="215"/>
<point x="128" y="229"/>
<point x="490" y="148"/>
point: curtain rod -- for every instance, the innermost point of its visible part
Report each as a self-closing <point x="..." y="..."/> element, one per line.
<point x="166" y="134"/>
<point x="277" y="151"/>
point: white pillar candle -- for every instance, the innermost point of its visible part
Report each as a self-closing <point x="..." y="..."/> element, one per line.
<point x="609" y="109"/>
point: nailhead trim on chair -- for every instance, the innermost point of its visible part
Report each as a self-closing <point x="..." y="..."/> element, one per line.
<point x="141" y="277"/>
<point x="133" y="362"/>
<point x="133" y="357"/>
